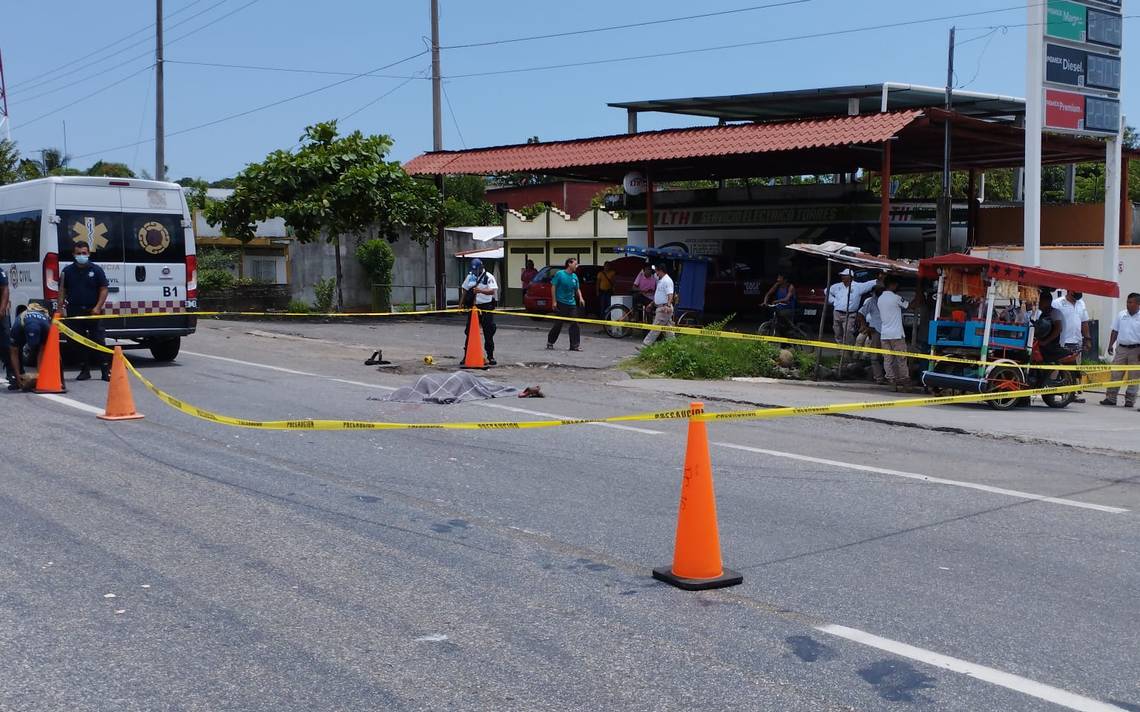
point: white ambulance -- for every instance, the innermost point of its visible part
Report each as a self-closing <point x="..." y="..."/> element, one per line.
<point x="140" y="233"/>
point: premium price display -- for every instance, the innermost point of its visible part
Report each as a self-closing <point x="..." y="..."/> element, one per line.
<point x="1102" y="114"/>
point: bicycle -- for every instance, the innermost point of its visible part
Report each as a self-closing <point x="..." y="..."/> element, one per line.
<point x="643" y="315"/>
<point x="782" y="324"/>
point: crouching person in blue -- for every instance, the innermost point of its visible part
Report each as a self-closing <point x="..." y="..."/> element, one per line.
<point x="29" y="333"/>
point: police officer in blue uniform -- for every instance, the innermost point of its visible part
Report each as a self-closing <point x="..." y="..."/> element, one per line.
<point x="29" y="333"/>
<point x="82" y="292"/>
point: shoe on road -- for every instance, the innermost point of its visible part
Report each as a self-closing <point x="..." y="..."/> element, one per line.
<point x="550" y="347"/>
<point x="492" y="362"/>
<point x="1079" y="400"/>
<point x="84" y="375"/>
<point x="105" y="375"/>
<point x="1109" y="402"/>
<point x="575" y="348"/>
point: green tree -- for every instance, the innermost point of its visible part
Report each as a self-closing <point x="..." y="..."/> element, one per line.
<point x="329" y="187"/>
<point x="110" y="170"/>
<point x="378" y="258"/>
<point x="9" y="162"/>
<point x="195" y="190"/>
<point x="465" y="202"/>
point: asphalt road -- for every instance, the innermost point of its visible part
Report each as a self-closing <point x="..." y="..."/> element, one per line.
<point x="175" y="564"/>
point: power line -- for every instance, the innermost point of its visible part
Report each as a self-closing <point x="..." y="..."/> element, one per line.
<point x="112" y="55"/>
<point x="756" y="43"/>
<point x="627" y="26"/>
<point x="454" y="120"/>
<point x="247" y="112"/>
<point x="139" y="56"/>
<point x="287" y="69"/>
<point x="73" y="102"/>
<point x="393" y="90"/>
<point x="93" y="52"/>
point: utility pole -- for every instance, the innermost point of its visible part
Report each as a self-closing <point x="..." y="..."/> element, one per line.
<point x="437" y="145"/>
<point x="945" y="202"/>
<point x="159" y="119"/>
<point x="4" y="103"/>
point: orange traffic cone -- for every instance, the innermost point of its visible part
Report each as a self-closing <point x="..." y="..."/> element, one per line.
<point x="696" y="554"/>
<point x="49" y="378"/>
<point x="120" y="404"/>
<point x="473" y="354"/>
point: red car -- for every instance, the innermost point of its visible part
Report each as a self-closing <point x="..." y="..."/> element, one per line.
<point x="539" y="296"/>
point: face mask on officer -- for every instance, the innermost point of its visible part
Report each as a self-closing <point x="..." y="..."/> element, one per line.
<point x="82" y="258"/>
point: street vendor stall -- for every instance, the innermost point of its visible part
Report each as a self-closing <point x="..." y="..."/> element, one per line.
<point x="985" y="310"/>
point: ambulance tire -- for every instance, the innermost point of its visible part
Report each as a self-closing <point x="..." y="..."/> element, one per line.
<point x="166" y="350"/>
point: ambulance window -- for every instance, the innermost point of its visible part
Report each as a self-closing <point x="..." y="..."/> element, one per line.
<point x="20" y="237"/>
<point x="101" y="231"/>
<point x="153" y="237"/>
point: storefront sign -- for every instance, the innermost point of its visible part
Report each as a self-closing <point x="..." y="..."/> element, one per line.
<point x="705" y="248"/>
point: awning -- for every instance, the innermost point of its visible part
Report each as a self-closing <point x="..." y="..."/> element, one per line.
<point x="843" y="144"/>
<point x="483" y="253"/>
<point x="848" y="256"/>
<point x="1035" y="276"/>
<point x="613" y="156"/>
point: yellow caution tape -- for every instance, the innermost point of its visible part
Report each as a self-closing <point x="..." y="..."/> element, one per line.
<point x="740" y="336"/>
<point x="310" y="315"/>
<point x="682" y="413"/>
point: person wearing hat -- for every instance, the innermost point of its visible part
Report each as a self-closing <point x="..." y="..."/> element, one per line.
<point x="481" y="292"/>
<point x="845" y="296"/>
<point x="662" y="307"/>
<point x="29" y="332"/>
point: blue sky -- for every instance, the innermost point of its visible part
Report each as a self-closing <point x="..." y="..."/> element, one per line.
<point x="356" y="36"/>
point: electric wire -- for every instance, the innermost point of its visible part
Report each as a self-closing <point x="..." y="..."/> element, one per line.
<point x="294" y="70"/>
<point x="386" y="94"/>
<point x="256" y="109"/>
<point x="148" y="53"/>
<point x="631" y="25"/>
<point x="738" y="45"/>
<point x="79" y="100"/>
<point x="132" y="35"/>
<point x="454" y="120"/>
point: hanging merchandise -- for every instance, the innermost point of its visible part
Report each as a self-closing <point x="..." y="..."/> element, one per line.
<point x="1007" y="289"/>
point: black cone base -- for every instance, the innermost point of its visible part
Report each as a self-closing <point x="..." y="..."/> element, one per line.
<point x="727" y="578"/>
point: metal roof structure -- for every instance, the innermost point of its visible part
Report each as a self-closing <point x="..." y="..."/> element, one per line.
<point x="811" y="146"/>
<point x="832" y="101"/>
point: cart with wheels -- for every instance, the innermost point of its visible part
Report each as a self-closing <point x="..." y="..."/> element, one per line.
<point x="982" y="311"/>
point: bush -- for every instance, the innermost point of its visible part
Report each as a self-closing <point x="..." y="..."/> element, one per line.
<point x="211" y="281"/>
<point x="297" y="306"/>
<point x="377" y="258"/>
<point x="709" y="357"/>
<point x="325" y="291"/>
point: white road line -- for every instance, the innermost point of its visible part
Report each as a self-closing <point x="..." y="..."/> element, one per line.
<point x="1007" y="680"/>
<point x="497" y="406"/>
<point x="71" y="403"/>
<point x="927" y="478"/>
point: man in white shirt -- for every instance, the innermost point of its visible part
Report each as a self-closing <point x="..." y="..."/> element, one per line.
<point x="662" y="306"/>
<point x="870" y="332"/>
<point x="1125" y="340"/>
<point x="1074" y="325"/>
<point x="481" y="291"/>
<point x="845" y="296"/>
<point x="891" y="307"/>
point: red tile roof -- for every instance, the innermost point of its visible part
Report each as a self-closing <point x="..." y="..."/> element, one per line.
<point x="672" y="144"/>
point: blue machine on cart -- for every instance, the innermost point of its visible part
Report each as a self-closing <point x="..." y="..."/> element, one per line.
<point x="690" y="277"/>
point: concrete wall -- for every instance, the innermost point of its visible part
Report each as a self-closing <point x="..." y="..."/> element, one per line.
<point x="413" y="274"/>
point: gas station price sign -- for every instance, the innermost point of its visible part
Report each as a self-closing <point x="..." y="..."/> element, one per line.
<point x="1075" y="21"/>
<point x="1082" y="113"/>
<point x="1079" y="68"/>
